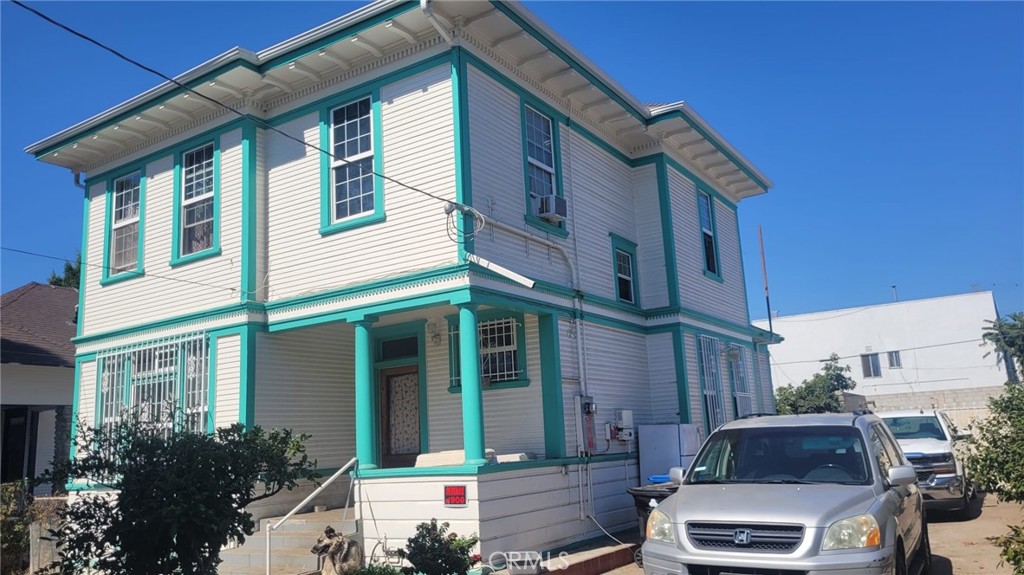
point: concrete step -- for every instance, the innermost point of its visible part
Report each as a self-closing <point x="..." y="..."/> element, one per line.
<point x="260" y="570"/>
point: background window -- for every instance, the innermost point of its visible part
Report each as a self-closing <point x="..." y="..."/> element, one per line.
<point x="624" y="276"/>
<point x="124" y="226"/>
<point x="352" y="166"/>
<point x="197" y="200"/>
<point x="707" y="228"/>
<point x="894" y="360"/>
<point x="871" y="365"/>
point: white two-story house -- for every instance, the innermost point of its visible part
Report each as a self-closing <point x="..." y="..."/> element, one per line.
<point x="419" y="232"/>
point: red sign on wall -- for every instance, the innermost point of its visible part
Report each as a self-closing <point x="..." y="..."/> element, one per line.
<point x="454" y="495"/>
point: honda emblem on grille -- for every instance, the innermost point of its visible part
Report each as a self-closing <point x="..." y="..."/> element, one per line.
<point x="741" y="536"/>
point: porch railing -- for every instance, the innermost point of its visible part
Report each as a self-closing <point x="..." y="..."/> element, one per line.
<point x="271" y="528"/>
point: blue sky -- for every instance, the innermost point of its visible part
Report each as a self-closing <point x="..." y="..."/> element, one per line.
<point x="894" y="132"/>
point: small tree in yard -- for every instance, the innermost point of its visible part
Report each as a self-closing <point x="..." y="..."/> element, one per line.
<point x="435" y="551"/>
<point x="174" y="497"/>
<point x="1007" y="335"/>
<point x="996" y="463"/>
<point x="820" y="394"/>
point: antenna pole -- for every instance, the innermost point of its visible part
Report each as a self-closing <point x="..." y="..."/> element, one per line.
<point x="764" y="274"/>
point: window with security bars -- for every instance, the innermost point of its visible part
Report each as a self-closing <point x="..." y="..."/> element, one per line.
<point x="707" y="229"/>
<point x="352" y="164"/>
<point x="197" y="200"/>
<point x="742" y="396"/>
<point x="540" y="156"/>
<point x="711" y="380"/>
<point x="499" y="352"/>
<point x="124" y="224"/>
<point x="164" y="382"/>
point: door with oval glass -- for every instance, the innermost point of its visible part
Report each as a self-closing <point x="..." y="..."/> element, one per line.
<point x="400" y="416"/>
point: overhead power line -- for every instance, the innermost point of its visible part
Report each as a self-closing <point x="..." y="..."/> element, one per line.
<point x="904" y="349"/>
<point x="262" y="123"/>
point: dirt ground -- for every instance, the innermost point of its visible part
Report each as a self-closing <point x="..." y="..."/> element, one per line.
<point x="959" y="545"/>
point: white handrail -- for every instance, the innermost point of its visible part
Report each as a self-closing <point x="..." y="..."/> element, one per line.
<point x="272" y="528"/>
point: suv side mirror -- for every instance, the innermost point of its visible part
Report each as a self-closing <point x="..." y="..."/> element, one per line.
<point x="902" y="475"/>
<point x="676" y="474"/>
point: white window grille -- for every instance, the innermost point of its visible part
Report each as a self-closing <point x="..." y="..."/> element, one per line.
<point x="499" y="351"/>
<point x="714" y="398"/>
<point x="352" y="164"/>
<point x="540" y="156"/>
<point x="124" y="225"/>
<point x="156" y="380"/>
<point x="740" y="385"/>
<point x="197" y="200"/>
<point x="707" y="228"/>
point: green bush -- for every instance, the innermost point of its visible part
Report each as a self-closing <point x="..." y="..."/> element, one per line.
<point x="15" y="517"/>
<point x="375" y="569"/>
<point x="435" y="551"/>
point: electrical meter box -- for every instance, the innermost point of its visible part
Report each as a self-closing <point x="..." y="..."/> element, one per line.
<point x="624" y="425"/>
<point x="586" y="413"/>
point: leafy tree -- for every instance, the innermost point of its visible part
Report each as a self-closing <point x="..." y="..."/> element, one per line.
<point x="996" y="462"/>
<point x="820" y="394"/>
<point x="180" y="495"/>
<point x="1007" y="335"/>
<point x="71" y="274"/>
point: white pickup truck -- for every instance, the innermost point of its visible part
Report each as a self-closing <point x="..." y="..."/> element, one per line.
<point x="929" y="440"/>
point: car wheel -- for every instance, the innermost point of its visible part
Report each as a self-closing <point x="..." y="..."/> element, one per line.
<point x="924" y="550"/>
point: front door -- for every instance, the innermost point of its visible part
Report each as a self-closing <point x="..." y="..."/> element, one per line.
<point x="400" y="416"/>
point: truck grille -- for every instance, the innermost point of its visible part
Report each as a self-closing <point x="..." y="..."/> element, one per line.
<point x="762" y="538"/>
<point x="709" y="570"/>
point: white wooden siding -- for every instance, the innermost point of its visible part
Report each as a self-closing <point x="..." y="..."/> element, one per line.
<point x="513" y="418"/>
<point x="188" y="288"/>
<point x="392" y="507"/>
<point x="229" y="365"/>
<point x="650" y="244"/>
<point x="617" y="378"/>
<point x="85" y="411"/>
<point x="305" y="382"/>
<point x="720" y="299"/>
<point x="499" y="188"/>
<point x="418" y="149"/>
<point x="664" y="390"/>
<point x="767" y="389"/>
<point x="260" y="226"/>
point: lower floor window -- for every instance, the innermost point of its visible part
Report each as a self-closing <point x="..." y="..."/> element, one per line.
<point x="501" y="348"/>
<point x="164" y="382"/>
<point x="711" y="381"/>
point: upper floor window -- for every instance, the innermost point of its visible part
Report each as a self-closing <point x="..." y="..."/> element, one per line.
<point x="624" y="268"/>
<point x="197" y="195"/>
<point x="707" y="229"/>
<point x="124" y="224"/>
<point x="894" y="360"/>
<point x="352" y="164"/>
<point x="871" y="365"/>
<point x="545" y="206"/>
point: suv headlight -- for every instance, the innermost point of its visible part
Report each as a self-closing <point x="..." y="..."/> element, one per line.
<point x="858" y="532"/>
<point x="659" y="527"/>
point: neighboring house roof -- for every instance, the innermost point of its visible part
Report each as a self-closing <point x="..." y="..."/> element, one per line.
<point x="37" y="322"/>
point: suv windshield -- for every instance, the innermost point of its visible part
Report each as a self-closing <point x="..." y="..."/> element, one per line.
<point x="918" y="427"/>
<point x="801" y="454"/>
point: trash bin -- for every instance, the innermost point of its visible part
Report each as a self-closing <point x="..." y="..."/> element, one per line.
<point x="642" y="497"/>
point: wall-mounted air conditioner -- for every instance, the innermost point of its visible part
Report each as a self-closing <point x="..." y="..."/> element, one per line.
<point x="551" y="208"/>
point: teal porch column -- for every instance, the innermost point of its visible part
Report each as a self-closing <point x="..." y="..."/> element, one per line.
<point x="366" y="428"/>
<point x="472" y="392"/>
<point x="551" y="387"/>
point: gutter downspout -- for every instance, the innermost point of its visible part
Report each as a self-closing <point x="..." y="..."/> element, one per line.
<point x="78" y="180"/>
<point x="433" y="19"/>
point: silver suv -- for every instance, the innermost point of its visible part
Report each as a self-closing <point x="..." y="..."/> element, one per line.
<point x="795" y="494"/>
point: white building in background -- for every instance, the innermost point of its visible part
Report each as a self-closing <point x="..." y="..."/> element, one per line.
<point x="902" y="354"/>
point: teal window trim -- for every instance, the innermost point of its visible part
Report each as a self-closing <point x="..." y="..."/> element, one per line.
<point x="527" y="102"/>
<point x="485" y="316"/>
<point x="621" y="244"/>
<point x="398" y="331"/>
<point x="108" y="220"/>
<point x="715" y="274"/>
<point x="328" y="225"/>
<point x="177" y="258"/>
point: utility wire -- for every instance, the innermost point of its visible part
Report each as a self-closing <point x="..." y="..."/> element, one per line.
<point x="265" y="125"/>
<point x="107" y="268"/>
<point x="905" y="349"/>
